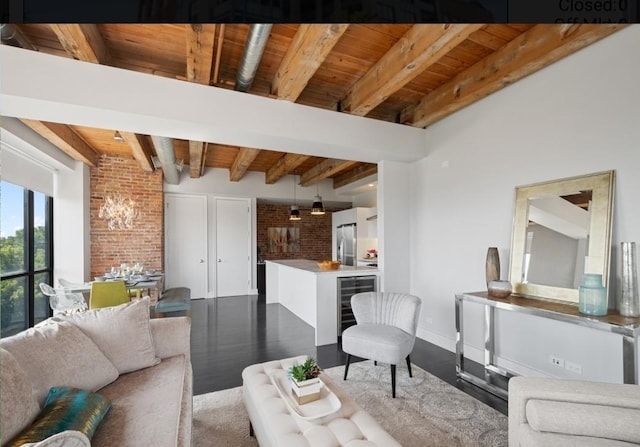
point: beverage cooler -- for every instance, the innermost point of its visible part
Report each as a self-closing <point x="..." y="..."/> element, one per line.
<point x="347" y="287"/>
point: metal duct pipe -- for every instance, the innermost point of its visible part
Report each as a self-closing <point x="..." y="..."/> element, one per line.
<point x="167" y="155"/>
<point x="253" y="49"/>
<point x="10" y="34"/>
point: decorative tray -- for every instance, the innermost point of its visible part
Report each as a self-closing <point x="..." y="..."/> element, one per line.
<point x="327" y="404"/>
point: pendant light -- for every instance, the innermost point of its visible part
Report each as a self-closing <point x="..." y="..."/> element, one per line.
<point x="317" y="208"/>
<point x="295" y="212"/>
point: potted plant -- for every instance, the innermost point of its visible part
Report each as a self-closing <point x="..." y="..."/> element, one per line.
<point x="305" y="383"/>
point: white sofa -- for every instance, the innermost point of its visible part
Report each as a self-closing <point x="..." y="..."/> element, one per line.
<point x="549" y="412"/>
<point x="142" y="366"/>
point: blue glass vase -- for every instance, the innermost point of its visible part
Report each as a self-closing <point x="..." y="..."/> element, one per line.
<point x="592" y="295"/>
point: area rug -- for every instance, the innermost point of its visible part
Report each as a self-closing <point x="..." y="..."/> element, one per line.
<point x="426" y="411"/>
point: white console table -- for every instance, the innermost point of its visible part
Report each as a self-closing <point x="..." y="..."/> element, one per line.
<point x="628" y="328"/>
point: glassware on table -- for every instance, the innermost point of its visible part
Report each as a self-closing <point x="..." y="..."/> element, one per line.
<point x="115" y="272"/>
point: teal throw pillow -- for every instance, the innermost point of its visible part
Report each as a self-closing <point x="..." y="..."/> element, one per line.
<point x="65" y="408"/>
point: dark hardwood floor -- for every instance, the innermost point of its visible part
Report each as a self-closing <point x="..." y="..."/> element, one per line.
<point x="231" y="333"/>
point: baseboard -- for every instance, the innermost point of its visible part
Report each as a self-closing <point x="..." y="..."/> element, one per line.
<point x="470" y="352"/>
<point x="477" y="354"/>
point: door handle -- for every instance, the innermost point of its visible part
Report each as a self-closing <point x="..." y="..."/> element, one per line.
<point x="201" y="261"/>
<point x="219" y="260"/>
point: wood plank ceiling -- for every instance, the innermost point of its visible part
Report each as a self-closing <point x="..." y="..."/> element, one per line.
<point x="409" y="74"/>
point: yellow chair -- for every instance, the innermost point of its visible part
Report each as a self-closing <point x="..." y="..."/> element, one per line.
<point x="107" y="293"/>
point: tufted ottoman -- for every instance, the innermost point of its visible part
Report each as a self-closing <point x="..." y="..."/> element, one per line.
<point x="274" y="425"/>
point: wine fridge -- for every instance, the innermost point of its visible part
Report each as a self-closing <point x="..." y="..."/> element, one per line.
<point x="347" y="287"/>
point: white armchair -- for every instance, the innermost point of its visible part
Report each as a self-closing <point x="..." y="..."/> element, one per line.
<point x="560" y="412"/>
<point x="385" y="330"/>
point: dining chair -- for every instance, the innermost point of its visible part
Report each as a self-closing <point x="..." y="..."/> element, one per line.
<point x="107" y="293"/>
<point x="62" y="301"/>
<point x="385" y="329"/>
<point x="70" y="284"/>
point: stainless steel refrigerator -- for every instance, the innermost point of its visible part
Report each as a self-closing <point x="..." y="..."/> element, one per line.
<point x="346" y="239"/>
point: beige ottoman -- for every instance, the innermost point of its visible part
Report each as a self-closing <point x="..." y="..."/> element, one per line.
<point x="274" y="425"/>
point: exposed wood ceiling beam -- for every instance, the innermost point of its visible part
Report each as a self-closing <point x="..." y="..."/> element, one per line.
<point x="242" y="162"/>
<point x="308" y="49"/>
<point x="355" y="174"/>
<point x="419" y="48"/>
<point x="83" y="42"/>
<point x="285" y="164"/>
<point x="141" y="148"/>
<point x="542" y="45"/>
<point x="216" y="65"/>
<point x="66" y="139"/>
<point x="200" y="39"/>
<point x="199" y="52"/>
<point x="325" y="169"/>
<point x="197" y="156"/>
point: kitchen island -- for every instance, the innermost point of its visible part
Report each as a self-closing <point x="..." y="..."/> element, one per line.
<point x="311" y="293"/>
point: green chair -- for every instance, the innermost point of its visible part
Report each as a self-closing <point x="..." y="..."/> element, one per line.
<point x="107" y="293"/>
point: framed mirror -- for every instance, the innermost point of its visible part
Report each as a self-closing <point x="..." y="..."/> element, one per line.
<point x="561" y="230"/>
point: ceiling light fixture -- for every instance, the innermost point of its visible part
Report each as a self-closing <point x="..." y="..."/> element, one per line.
<point x="118" y="137"/>
<point x="317" y="208"/>
<point x="295" y="212"/>
<point x="118" y="211"/>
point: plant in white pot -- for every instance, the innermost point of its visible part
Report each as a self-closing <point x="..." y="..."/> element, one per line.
<point x="305" y="382"/>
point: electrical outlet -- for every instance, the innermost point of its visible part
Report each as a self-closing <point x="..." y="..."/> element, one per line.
<point x="573" y="367"/>
<point x="557" y="361"/>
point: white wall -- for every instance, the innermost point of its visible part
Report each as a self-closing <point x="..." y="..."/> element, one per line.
<point x="578" y="116"/>
<point x="72" y="229"/>
<point x="395" y="202"/>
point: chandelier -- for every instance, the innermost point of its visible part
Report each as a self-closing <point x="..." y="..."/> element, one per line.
<point x="118" y="212"/>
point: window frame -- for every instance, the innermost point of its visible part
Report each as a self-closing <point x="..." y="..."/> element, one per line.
<point x="30" y="272"/>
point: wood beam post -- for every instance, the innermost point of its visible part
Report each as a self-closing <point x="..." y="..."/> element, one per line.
<point x="325" y="169"/>
<point x="285" y="164"/>
<point x="309" y="48"/>
<point x="242" y="162"/>
<point x="66" y="139"/>
<point x="141" y="148"/>
<point x="537" y="48"/>
<point x="83" y="42"/>
<point x="419" y="48"/>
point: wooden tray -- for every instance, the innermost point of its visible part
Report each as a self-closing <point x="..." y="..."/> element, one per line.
<point x="327" y="404"/>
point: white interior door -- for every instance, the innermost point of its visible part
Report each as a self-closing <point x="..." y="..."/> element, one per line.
<point x="186" y="243"/>
<point x="233" y="247"/>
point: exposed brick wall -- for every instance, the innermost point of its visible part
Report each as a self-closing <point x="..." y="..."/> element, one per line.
<point x="315" y="231"/>
<point x="144" y="242"/>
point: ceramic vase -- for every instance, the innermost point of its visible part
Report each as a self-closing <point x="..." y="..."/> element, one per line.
<point x="592" y="295"/>
<point x="629" y="302"/>
<point x="492" y="266"/>
<point x="499" y="289"/>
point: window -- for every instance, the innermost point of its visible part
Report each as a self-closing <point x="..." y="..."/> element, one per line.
<point x="26" y="257"/>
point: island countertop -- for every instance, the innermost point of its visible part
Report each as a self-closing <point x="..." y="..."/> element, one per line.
<point x="312" y="266"/>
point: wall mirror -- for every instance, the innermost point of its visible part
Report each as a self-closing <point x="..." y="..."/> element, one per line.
<point x="561" y="230"/>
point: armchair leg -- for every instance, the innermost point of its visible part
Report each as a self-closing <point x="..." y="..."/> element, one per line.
<point x="393" y="381"/>
<point x="409" y="366"/>
<point x="346" y="366"/>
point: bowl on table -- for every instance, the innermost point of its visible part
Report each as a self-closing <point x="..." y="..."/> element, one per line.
<point x="329" y="265"/>
<point x="99" y="278"/>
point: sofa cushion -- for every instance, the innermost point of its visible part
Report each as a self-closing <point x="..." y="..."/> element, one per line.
<point x="527" y="437"/>
<point x="56" y="353"/>
<point x="69" y="438"/>
<point x="146" y="406"/>
<point x="121" y="332"/>
<point x="19" y="408"/>
<point x="65" y="409"/>
<point x="601" y="421"/>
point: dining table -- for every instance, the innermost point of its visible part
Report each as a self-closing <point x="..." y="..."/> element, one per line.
<point x="151" y="282"/>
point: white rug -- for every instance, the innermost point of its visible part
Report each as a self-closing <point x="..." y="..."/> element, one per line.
<point x="426" y="411"/>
